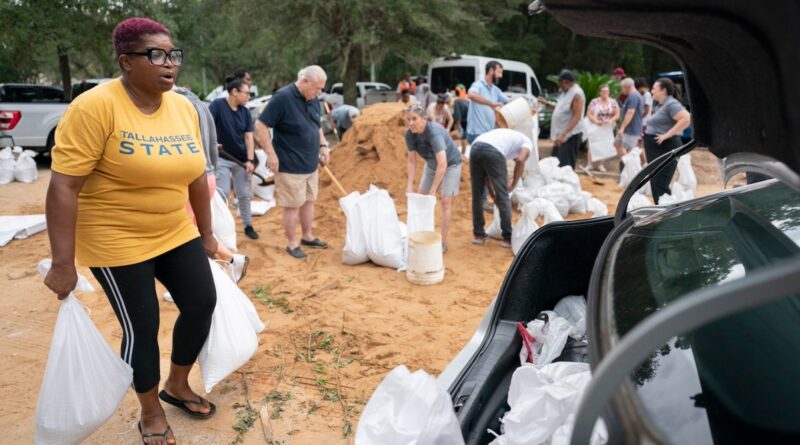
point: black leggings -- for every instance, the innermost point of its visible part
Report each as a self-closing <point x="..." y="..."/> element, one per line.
<point x="660" y="182"/>
<point x="186" y="274"/>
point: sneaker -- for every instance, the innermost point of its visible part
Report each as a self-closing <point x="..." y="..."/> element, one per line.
<point x="586" y="169"/>
<point x="168" y="297"/>
<point x="250" y="232"/>
<point x="239" y="265"/>
<point x="316" y="243"/>
<point x="505" y="244"/>
<point x="479" y="240"/>
<point x="601" y="167"/>
<point x="296" y="252"/>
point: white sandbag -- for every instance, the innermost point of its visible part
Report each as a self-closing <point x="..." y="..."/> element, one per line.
<point x="563" y="434"/>
<point x="567" y="175"/>
<point x="381" y="227"/>
<point x="355" y="245"/>
<point x="532" y="163"/>
<point x="534" y="180"/>
<point x="638" y="200"/>
<point x="494" y="230"/>
<point x="408" y="409"/>
<point x="222" y="222"/>
<point x="597" y="207"/>
<point x="259" y="208"/>
<point x="7" y="165"/>
<point x="686" y="176"/>
<point x="601" y="141"/>
<point x="573" y="309"/>
<point x="559" y="194"/>
<point x="84" y="380"/>
<point x="547" y="210"/>
<point x="265" y="192"/>
<point x="543" y="401"/>
<point x="83" y="285"/>
<point x="20" y="227"/>
<point x="524" y="227"/>
<point x="232" y="339"/>
<point x="521" y="195"/>
<point x="421" y="212"/>
<point x="631" y="166"/>
<point x="548" y="167"/>
<point x="25" y="169"/>
<point x="548" y="339"/>
<point x="228" y="284"/>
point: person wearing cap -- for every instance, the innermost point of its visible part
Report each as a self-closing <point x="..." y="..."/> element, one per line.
<point x="343" y="116"/>
<point x="487" y="163"/>
<point x="442" y="162"/>
<point x="439" y="112"/>
<point x="566" y="130"/>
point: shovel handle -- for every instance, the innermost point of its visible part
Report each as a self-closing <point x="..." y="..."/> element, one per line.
<point x="333" y="178"/>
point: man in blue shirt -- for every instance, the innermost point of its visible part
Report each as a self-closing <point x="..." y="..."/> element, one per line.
<point x="296" y="147"/>
<point x="486" y="97"/>
<point x="235" y="134"/>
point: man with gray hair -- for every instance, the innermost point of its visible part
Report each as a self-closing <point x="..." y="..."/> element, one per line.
<point x="296" y="147"/>
<point x="630" y="130"/>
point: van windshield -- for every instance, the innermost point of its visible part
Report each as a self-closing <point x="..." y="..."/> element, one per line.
<point x="447" y="77"/>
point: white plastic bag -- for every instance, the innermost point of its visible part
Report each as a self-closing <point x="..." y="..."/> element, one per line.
<point x="420" y="213"/>
<point x="259" y="208"/>
<point x="408" y="409"/>
<point x="686" y="174"/>
<point x="559" y="194"/>
<point x="543" y="403"/>
<point x="355" y="245"/>
<point x="227" y="284"/>
<point x="25" y="168"/>
<point x="382" y="232"/>
<point x="7" y="165"/>
<point x="20" y="227"/>
<point x="524" y="227"/>
<point x="232" y="340"/>
<point x="631" y="166"/>
<point x="547" y="210"/>
<point x="567" y="175"/>
<point x="597" y="207"/>
<point x="548" y="167"/>
<point x="265" y="192"/>
<point x="601" y="141"/>
<point x="494" y="230"/>
<point x="638" y="200"/>
<point x="222" y="222"/>
<point x="548" y="339"/>
<point x="521" y="195"/>
<point x="84" y="380"/>
<point x="573" y="309"/>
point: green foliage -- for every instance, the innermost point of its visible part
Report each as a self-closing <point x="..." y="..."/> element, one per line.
<point x="263" y="294"/>
<point x="278" y="399"/>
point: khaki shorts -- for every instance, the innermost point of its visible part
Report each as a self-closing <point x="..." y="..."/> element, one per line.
<point x="294" y="190"/>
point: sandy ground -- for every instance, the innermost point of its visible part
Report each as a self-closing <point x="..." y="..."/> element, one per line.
<point x="333" y="331"/>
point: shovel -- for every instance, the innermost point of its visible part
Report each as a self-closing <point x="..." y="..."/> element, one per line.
<point x="230" y="157"/>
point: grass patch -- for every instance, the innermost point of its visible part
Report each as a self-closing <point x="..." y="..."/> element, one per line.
<point x="278" y="399"/>
<point x="246" y="418"/>
<point x="263" y="294"/>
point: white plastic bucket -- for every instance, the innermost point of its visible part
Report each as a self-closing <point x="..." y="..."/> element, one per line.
<point x="425" y="261"/>
<point x="513" y="114"/>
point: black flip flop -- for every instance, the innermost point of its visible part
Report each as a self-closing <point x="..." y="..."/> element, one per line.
<point x="181" y="404"/>
<point x="146" y="436"/>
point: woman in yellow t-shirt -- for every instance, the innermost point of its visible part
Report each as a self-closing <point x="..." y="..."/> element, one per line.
<point x="128" y="156"/>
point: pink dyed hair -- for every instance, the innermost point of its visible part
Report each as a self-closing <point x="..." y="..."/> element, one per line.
<point x="128" y="32"/>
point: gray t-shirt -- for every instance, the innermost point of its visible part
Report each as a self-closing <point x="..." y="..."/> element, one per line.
<point x="636" y="103"/>
<point x="661" y="120"/>
<point x="431" y="141"/>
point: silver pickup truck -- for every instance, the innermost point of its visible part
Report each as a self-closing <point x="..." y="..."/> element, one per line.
<point x="29" y="115"/>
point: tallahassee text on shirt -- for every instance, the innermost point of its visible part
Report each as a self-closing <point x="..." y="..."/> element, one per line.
<point x="158" y="145"/>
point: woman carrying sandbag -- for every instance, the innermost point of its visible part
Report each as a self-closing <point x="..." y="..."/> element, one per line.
<point x="128" y="155"/>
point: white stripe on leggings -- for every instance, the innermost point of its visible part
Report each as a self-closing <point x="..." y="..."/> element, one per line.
<point x="126" y="321"/>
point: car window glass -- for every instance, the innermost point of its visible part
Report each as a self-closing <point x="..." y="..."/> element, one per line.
<point x="535" y="88"/>
<point x="727" y="379"/>
<point x="446" y="78"/>
<point x="513" y="82"/>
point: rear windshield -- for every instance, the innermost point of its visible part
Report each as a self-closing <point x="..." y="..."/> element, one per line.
<point x="446" y="78"/>
<point x="513" y="82"/>
<point x="735" y="379"/>
<point x="30" y="93"/>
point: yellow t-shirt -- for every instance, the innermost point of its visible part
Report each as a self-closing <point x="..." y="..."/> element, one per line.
<point x="138" y="167"/>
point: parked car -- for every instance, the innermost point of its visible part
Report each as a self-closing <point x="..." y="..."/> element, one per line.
<point x="335" y="97"/>
<point x="29" y="115"/>
<point x="693" y="311"/>
<point x="85" y="85"/>
<point x="519" y="79"/>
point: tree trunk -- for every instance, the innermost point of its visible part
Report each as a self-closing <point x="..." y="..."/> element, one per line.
<point x="351" y="73"/>
<point x="66" y="74"/>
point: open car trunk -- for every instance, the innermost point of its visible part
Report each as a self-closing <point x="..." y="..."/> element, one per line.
<point x="555" y="262"/>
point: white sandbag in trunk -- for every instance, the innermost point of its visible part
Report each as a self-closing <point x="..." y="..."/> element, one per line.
<point x="494" y="230"/>
<point x="384" y="240"/>
<point x="232" y="339"/>
<point x="222" y="223"/>
<point x="84" y="379"/>
<point x="7" y="163"/>
<point x="25" y="169"/>
<point x="355" y="245"/>
<point x="420" y="213"/>
<point x="409" y="409"/>
<point x="548" y="339"/>
<point x="524" y="227"/>
<point x="573" y="309"/>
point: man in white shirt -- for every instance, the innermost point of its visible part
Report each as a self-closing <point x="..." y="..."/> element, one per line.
<point x="487" y="163"/>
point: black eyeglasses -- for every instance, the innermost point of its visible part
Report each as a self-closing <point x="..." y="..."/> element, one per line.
<point x="158" y="56"/>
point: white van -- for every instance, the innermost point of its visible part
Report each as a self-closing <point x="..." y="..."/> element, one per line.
<point x="518" y="80"/>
